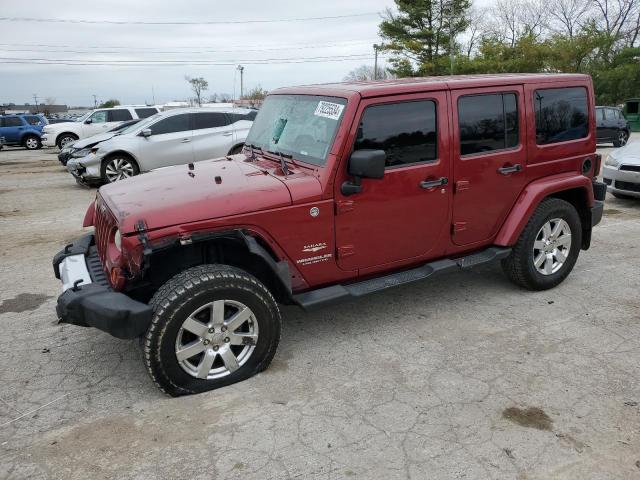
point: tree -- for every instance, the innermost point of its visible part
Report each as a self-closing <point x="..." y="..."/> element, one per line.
<point x="198" y="85"/>
<point x="109" y="103"/>
<point x="423" y="33"/>
<point x="365" y="72"/>
<point x="256" y="93"/>
<point x="50" y="100"/>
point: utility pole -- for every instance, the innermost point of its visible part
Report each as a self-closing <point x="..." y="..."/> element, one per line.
<point x="35" y="102"/>
<point x="95" y="101"/>
<point x="241" y="70"/>
<point x="375" y="63"/>
<point x="451" y="12"/>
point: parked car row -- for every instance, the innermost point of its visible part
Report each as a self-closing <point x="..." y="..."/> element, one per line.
<point x="174" y="137"/>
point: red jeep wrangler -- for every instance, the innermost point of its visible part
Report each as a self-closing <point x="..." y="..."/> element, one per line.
<point x="341" y="190"/>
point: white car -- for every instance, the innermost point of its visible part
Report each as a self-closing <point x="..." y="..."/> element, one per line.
<point x="621" y="171"/>
<point x="92" y="123"/>
<point x="174" y="137"/>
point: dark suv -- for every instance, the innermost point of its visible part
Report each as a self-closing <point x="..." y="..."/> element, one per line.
<point x="611" y="126"/>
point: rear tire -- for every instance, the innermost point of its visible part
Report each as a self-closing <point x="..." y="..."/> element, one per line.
<point x="213" y="325"/>
<point x="548" y="247"/>
<point x="31" y="142"/>
<point x="236" y="150"/>
<point x="622" y="137"/>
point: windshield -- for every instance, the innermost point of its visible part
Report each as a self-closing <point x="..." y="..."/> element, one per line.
<point x="302" y="126"/>
<point x="140" y="124"/>
<point x="84" y="117"/>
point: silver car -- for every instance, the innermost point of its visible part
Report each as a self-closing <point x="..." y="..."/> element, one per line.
<point x="174" y="137"/>
<point x="621" y="171"/>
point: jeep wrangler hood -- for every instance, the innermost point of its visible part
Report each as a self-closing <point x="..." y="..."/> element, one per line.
<point x="177" y="195"/>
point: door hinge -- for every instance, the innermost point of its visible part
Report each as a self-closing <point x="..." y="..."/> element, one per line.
<point x="462" y="185"/>
<point x="345" y="251"/>
<point x="344" y="206"/>
<point x="458" y="227"/>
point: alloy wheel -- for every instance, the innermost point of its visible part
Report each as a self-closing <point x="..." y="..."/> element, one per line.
<point x="551" y="246"/>
<point x="118" y="169"/>
<point x="64" y="141"/>
<point x="31" y="143"/>
<point x="217" y="339"/>
<point x="622" y="138"/>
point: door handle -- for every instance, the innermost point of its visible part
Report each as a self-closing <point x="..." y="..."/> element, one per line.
<point x="185" y="140"/>
<point x="509" y="170"/>
<point x="228" y="134"/>
<point x="427" y="184"/>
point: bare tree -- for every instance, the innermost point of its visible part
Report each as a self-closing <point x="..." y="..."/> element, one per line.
<point x="513" y="19"/>
<point x="50" y="100"/>
<point x="478" y="27"/>
<point x="198" y="85"/>
<point x="365" y="72"/>
<point x="567" y="16"/>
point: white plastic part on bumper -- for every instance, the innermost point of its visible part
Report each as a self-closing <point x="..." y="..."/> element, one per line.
<point x="72" y="269"/>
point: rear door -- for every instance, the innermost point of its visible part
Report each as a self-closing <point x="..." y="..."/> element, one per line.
<point x="169" y="143"/>
<point x="12" y="129"/>
<point x="212" y="135"/>
<point x="489" y="159"/>
<point x="403" y="216"/>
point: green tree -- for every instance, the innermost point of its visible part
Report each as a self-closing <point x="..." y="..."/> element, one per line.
<point x="256" y="93"/>
<point x="112" y="102"/>
<point x="423" y="34"/>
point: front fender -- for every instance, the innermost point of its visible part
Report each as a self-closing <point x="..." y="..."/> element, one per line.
<point x="531" y="197"/>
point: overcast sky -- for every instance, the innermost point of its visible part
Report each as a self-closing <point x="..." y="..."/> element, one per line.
<point x="213" y="43"/>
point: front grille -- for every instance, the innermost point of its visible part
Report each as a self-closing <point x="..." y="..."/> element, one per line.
<point x="607" y="181"/>
<point x="104" y="224"/>
<point x="630" y="168"/>
<point x="629" y="186"/>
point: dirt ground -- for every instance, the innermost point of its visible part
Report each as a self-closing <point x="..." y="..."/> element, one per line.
<point x="462" y="376"/>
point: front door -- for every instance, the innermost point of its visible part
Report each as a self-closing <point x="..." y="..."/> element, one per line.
<point x="168" y="144"/>
<point x="97" y="123"/>
<point x="405" y="214"/>
<point x="489" y="159"/>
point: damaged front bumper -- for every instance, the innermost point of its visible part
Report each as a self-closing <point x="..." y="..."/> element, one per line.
<point x="87" y="299"/>
<point x="87" y="172"/>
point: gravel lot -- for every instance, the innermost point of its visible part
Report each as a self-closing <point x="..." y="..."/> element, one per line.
<point x="463" y="376"/>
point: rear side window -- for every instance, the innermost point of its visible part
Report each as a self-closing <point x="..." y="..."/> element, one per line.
<point x="120" y="115"/>
<point x="236" y="117"/>
<point x="12" y="122"/>
<point x="145" y="112"/>
<point x="33" y="120"/>
<point x="175" y="123"/>
<point x="562" y="114"/>
<point x="209" y="120"/>
<point x="406" y="131"/>
<point x="488" y="122"/>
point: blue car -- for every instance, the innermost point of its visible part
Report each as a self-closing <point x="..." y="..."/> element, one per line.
<point x="22" y="130"/>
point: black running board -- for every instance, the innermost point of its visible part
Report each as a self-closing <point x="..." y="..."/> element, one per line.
<point x="316" y="298"/>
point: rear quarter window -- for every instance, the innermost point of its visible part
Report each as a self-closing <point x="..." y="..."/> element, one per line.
<point x="120" y="115"/>
<point x="145" y="112"/>
<point x="562" y="114"/>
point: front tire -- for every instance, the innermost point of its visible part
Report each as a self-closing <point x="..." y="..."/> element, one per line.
<point x="65" y="139"/>
<point x="31" y="142"/>
<point x="548" y="247"/>
<point x="118" y="167"/>
<point x="213" y="325"/>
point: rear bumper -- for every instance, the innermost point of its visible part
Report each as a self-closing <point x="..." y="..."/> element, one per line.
<point x="87" y="299"/>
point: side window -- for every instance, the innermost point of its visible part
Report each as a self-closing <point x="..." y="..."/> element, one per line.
<point x="145" y="112"/>
<point x="12" y="122"/>
<point x="488" y="122"/>
<point x="209" y="120"/>
<point x="99" y="117"/>
<point x="406" y="131"/>
<point x="32" y="120"/>
<point x="600" y="113"/>
<point x="120" y="115"/>
<point x="175" y="123"/>
<point x="562" y="114"/>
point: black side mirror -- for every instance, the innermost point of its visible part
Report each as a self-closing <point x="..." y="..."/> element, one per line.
<point x="88" y="121"/>
<point x="364" y="164"/>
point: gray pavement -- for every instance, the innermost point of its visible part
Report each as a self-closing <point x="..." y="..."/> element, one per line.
<point x="464" y="376"/>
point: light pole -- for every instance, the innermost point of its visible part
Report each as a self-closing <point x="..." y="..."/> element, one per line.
<point x="241" y="70"/>
<point x="375" y="63"/>
<point x="35" y="101"/>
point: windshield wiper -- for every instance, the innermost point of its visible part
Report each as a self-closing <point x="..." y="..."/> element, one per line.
<point x="283" y="163"/>
<point x="253" y="148"/>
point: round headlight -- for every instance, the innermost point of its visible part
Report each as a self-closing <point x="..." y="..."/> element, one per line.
<point x="117" y="240"/>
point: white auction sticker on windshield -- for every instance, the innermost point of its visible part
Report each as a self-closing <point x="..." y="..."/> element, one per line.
<point x="328" y="110"/>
